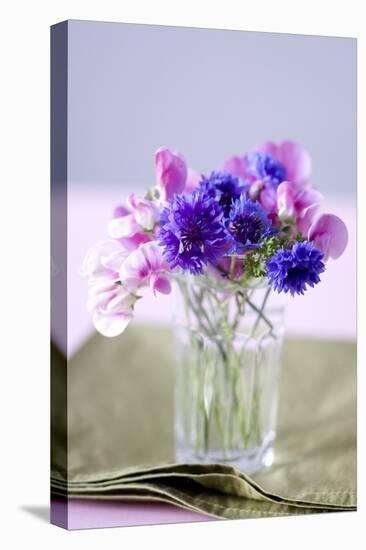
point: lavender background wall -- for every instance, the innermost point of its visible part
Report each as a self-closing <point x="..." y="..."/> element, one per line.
<point x="208" y="93"/>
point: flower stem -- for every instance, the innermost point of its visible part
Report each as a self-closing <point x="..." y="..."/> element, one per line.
<point x="260" y="313"/>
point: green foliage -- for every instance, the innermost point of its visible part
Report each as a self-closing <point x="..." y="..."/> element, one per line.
<point x="255" y="263"/>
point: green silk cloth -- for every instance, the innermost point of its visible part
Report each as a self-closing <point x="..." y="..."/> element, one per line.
<point x="119" y="431"/>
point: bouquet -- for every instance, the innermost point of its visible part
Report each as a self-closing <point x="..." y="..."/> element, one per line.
<point x="256" y="219"/>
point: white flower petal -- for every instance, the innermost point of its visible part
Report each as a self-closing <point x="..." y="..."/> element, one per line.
<point x="114" y="260"/>
<point x="125" y="226"/>
<point x="123" y="302"/>
<point x="99" y="300"/>
<point x="92" y="266"/>
<point x="112" y="324"/>
<point x="146" y="215"/>
<point x="103" y="285"/>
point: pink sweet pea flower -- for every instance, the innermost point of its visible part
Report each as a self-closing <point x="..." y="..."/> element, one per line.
<point x="171" y="172"/>
<point x="267" y="197"/>
<point x="110" y="304"/>
<point x="297" y="204"/>
<point x="193" y="180"/>
<point x="237" y="166"/>
<point x="130" y="243"/>
<point x="329" y="234"/>
<point x="123" y="227"/>
<point x="146" y="265"/>
<point x="146" y="213"/>
<point x="111" y="307"/>
<point x="129" y="224"/>
<point x="293" y="156"/>
<point x="103" y="261"/>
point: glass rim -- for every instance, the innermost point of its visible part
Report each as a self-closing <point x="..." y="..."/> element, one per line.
<point x="207" y="281"/>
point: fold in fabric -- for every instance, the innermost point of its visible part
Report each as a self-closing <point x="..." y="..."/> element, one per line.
<point x="120" y="440"/>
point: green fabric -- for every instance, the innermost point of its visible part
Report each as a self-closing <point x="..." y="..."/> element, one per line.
<point x="120" y="432"/>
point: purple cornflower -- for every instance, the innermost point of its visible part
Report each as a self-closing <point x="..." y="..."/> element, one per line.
<point x="265" y="168"/>
<point x="291" y="270"/>
<point x="247" y="224"/>
<point x="223" y="187"/>
<point x="192" y="232"/>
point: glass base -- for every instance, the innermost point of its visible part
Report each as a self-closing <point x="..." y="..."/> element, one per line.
<point x="248" y="461"/>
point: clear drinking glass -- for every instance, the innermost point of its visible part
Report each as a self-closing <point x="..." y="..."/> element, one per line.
<point x="228" y="353"/>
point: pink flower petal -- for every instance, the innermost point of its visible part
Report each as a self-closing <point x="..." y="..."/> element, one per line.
<point x="285" y="200"/>
<point x="329" y="234"/>
<point x="131" y="243"/>
<point x="304" y="223"/>
<point x="171" y="172"/>
<point x="144" y="265"/>
<point x="268" y="147"/>
<point x="193" y="180"/>
<point x="296" y="202"/>
<point x="293" y="156"/>
<point x="236" y="166"/>
<point x="306" y="197"/>
<point x="268" y="199"/>
<point x="146" y="213"/>
<point x="154" y="256"/>
<point x="160" y="283"/>
<point x="131" y="202"/>
<point x="120" y="211"/>
<point x="296" y="160"/>
<point x="134" y="270"/>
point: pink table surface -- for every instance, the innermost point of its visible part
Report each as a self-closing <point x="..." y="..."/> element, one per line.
<point x="87" y="514"/>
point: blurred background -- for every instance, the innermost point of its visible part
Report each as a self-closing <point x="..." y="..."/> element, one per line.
<point x="208" y="94"/>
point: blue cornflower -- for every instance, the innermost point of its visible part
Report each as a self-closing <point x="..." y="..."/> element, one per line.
<point x="247" y="224"/>
<point x="223" y="187"/>
<point x="291" y="270"/>
<point x="264" y="167"/>
<point x="192" y="232"/>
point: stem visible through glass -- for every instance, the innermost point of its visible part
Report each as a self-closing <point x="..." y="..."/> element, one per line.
<point x="224" y="416"/>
